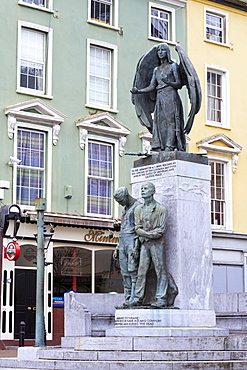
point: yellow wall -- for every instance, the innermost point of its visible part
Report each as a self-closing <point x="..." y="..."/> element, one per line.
<point x="233" y="58"/>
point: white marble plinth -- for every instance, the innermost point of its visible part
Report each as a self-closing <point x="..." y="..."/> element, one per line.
<point x="184" y="188"/>
<point x="164" y="318"/>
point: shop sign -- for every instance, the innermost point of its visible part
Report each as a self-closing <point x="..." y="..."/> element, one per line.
<point x="98" y="236"/>
<point x="12" y="251"/>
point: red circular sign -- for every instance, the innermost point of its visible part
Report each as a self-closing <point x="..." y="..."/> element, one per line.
<point x="12" y="251"/>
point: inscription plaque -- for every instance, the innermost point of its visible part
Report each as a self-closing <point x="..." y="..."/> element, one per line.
<point x="153" y="171"/>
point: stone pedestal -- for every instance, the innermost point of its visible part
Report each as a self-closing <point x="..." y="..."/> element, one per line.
<point x="182" y="182"/>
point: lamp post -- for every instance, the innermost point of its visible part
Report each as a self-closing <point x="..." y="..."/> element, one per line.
<point x="40" y="318"/>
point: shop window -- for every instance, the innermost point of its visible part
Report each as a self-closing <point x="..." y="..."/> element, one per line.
<point x="162" y="23"/>
<point x="102" y="76"/>
<point x="216" y="24"/>
<point x="28" y="256"/>
<point x="85" y="271"/>
<point x="217" y="97"/>
<point x="34" y="59"/>
<point x="100" y="178"/>
<point x="228" y="279"/>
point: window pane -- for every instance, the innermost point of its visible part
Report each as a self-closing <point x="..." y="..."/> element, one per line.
<point x="217" y="193"/>
<point x="99" y="81"/>
<point x="72" y="269"/>
<point x="101" y="10"/>
<point x="215" y="27"/>
<point x="32" y="59"/>
<point x="160" y="24"/>
<point x="36" y="2"/>
<point x="107" y="277"/>
<point x="100" y="178"/>
<point x="30" y="171"/>
<point x="214" y="98"/>
<point x="228" y="279"/>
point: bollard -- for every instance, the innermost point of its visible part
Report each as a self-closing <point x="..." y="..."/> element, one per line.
<point x="22" y="327"/>
<point x="44" y="336"/>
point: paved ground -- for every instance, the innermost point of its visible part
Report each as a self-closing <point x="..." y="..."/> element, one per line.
<point x="6" y="353"/>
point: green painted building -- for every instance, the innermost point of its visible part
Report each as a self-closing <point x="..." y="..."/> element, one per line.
<point x="66" y="119"/>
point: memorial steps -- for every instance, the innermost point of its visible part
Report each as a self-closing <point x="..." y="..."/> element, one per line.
<point x="113" y="353"/>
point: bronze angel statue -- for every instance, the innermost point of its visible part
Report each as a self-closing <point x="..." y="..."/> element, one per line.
<point x="156" y="99"/>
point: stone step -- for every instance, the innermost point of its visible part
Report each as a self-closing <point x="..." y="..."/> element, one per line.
<point x="150" y="343"/>
<point x="123" y="365"/>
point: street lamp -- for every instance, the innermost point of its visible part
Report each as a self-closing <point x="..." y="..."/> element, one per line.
<point x="40" y="205"/>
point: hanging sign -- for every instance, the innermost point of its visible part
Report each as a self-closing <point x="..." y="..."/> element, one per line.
<point x="12" y="251"/>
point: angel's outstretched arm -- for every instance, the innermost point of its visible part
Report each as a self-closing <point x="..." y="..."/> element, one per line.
<point x="151" y="87"/>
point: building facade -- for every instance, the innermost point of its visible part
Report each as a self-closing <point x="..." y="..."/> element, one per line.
<point x="66" y="120"/>
<point x="218" y="51"/>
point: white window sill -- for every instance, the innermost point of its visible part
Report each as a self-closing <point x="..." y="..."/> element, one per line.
<point x="34" y="93"/>
<point x="37" y="7"/>
<point x="100" y="107"/>
<point x="98" y="216"/>
<point x="105" y="25"/>
<point x="214" y="124"/>
<point x="218" y="43"/>
<point x="162" y="40"/>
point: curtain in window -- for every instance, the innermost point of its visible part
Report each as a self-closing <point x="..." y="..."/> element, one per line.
<point x="30" y="171"/>
<point x="100" y="167"/>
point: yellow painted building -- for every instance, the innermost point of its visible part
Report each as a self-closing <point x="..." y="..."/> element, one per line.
<point x="217" y="46"/>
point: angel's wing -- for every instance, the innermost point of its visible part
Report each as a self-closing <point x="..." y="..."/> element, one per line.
<point x="191" y="80"/>
<point x="145" y="103"/>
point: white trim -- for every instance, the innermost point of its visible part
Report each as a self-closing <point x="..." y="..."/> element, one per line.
<point x="47" y="8"/>
<point x="113" y="81"/>
<point x="114" y="16"/>
<point x="224" y="72"/>
<point x="172" y="22"/>
<point x="222" y="14"/>
<point x="115" y="181"/>
<point x="114" y="128"/>
<point x="45" y="114"/>
<point x="179" y="3"/>
<point x="48" y="59"/>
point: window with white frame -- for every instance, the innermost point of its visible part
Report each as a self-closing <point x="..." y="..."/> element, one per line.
<point x="103" y="13"/>
<point x="217" y="97"/>
<point x="41" y="4"/>
<point x="100" y="178"/>
<point x="30" y="172"/>
<point x="215" y="26"/>
<point x="34" y="62"/>
<point x="101" y="76"/>
<point x="162" y="23"/>
<point x="218" y="193"/>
